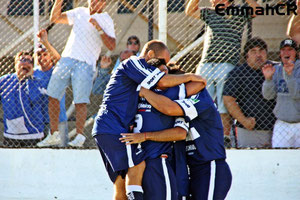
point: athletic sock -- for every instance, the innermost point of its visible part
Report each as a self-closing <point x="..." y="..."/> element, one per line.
<point x="134" y="192"/>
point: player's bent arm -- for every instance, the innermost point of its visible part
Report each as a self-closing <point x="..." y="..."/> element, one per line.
<point x="170" y="80"/>
<point x="193" y="88"/>
<point x="167" y="135"/>
<point x="56" y="15"/>
<point x="234" y="109"/>
<point x="192" y="9"/>
<point x="161" y="103"/>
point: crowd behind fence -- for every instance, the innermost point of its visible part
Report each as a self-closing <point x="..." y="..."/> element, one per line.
<point x="187" y="39"/>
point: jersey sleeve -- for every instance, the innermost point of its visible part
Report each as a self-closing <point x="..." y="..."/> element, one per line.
<point x="180" y="122"/>
<point x="192" y="107"/>
<point x="190" y="111"/>
<point x="142" y="73"/>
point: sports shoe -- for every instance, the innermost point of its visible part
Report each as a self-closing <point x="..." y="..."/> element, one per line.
<point x="78" y="141"/>
<point x="51" y="139"/>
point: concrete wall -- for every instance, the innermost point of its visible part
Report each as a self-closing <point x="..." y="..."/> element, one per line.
<point x="37" y="174"/>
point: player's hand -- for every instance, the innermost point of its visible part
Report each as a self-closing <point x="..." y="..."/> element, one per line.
<point x="95" y="24"/>
<point x="249" y="123"/>
<point x="105" y="62"/>
<point x="133" y="138"/>
<point x="197" y="78"/>
<point x="142" y="92"/>
<point x="289" y="67"/>
<point x="268" y="70"/>
<point x="42" y="36"/>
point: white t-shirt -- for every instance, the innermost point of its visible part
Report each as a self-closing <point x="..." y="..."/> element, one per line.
<point x="84" y="42"/>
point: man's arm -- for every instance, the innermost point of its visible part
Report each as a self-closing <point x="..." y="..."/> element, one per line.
<point x="56" y="15"/>
<point x="43" y="38"/>
<point x="161" y="103"/>
<point x="194" y="88"/>
<point x="167" y="135"/>
<point x="109" y="42"/>
<point x="192" y="9"/>
<point x="170" y="80"/>
<point x="236" y="112"/>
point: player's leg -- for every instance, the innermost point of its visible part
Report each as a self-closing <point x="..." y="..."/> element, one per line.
<point x="121" y="158"/>
<point x="119" y="189"/>
<point x="134" y="179"/>
<point x="200" y="181"/>
<point x="159" y="181"/>
<point x="223" y="179"/>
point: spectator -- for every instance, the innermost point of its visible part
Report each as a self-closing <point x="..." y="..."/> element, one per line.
<point x="244" y="101"/>
<point x="22" y="104"/>
<point x="45" y="59"/>
<point x="221" y="51"/>
<point x="103" y="72"/>
<point x="91" y="27"/>
<point x="133" y="44"/>
<point x="282" y="82"/>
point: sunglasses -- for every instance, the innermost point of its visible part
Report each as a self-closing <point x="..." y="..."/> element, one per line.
<point x="26" y="60"/>
<point x="132" y="42"/>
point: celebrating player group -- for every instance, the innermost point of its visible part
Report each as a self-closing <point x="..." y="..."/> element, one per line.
<point x="147" y="105"/>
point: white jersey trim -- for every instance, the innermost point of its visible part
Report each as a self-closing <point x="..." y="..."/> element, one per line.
<point x="152" y="79"/>
<point x="167" y="179"/>
<point x="188" y="107"/>
<point x="180" y="122"/>
<point x="212" y="179"/>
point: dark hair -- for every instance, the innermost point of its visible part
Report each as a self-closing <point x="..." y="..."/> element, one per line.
<point x="156" y="62"/>
<point x="22" y="53"/>
<point x="255" y="42"/>
<point x="134" y="37"/>
<point x="175" y="69"/>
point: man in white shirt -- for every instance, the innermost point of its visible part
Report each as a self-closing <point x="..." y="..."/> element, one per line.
<point x="91" y="28"/>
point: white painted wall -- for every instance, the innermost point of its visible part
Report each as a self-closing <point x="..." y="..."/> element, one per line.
<point x="42" y="174"/>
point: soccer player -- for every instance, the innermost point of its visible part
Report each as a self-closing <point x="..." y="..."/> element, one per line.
<point x="159" y="181"/>
<point x="116" y="115"/>
<point x="205" y="152"/>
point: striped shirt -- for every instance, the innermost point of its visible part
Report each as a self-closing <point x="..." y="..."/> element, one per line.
<point x="222" y="43"/>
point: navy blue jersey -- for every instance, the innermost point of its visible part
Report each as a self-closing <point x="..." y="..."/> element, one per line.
<point x="149" y="119"/>
<point x="205" y="138"/>
<point x="120" y="99"/>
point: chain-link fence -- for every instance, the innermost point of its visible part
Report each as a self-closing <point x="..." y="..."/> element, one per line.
<point x="213" y="45"/>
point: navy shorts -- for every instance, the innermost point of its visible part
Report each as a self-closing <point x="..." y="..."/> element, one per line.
<point x="117" y="156"/>
<point x="159" y="181"/>
<point x="210" y="180"/>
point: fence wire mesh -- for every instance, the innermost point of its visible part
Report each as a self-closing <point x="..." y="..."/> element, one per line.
<point x="24" y="112"/>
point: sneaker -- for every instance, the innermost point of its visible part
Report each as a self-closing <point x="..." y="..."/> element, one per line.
<point x="51" y="139"/>
<point x="78" y="141"/>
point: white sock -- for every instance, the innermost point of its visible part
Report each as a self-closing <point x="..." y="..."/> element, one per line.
<point x="134" y="188"/>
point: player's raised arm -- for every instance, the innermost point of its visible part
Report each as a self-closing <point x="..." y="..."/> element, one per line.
<point x="161" y="103"/>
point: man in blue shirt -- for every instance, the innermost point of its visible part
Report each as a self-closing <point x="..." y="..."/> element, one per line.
<point x="116" y="115"/>
<point x="21" y="98"/>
